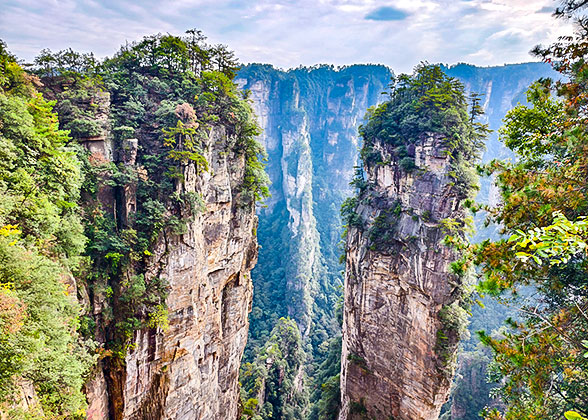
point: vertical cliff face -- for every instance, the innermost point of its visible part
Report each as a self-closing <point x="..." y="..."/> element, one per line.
<point x="394" y="291"/>
<point x="287" y="140"/>
<point x="309" y="118"/>
<point x="190" y="370"/>
<point x="172" y="178"/>
<point x="471" y="390"/>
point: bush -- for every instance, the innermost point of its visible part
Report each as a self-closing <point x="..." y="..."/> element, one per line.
<point x="407" y="164"/>
<point x="382" y="232"/>
<point x="82" y="128"/>
<point x="40" y="243"/>
<point x="454" y="328"/>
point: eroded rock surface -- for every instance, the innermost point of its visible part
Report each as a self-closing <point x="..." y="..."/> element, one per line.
<point x="190" y="369"/>
<point x="392" y="366"/>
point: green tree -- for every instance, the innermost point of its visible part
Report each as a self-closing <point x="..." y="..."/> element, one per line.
<point x="540" y="360"/>
<point x="41" y="240"/>
<point x="275" y="378"/>
<point x="427" y="102"/>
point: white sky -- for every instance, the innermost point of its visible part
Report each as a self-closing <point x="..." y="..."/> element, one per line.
<point x="287" y="33"/>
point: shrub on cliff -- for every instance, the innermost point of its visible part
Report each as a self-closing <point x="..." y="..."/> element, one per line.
<point x="425" y="103"/>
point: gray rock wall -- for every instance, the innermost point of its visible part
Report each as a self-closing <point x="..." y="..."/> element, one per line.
<point x="190" y="369"/>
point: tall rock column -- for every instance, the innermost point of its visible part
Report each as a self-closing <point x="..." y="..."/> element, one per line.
<point x="190" y="370"/>
<point x="396" y="284"/>
<point x="404" y="312"/>
<point x="172" y="325"/>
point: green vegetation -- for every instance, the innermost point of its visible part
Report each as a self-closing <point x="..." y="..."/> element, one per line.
<point x="427" y="103"/>
<point x="382" y="233"/>
<point x="348" y="214"/>
<point x="540" y="360"/>
<point x="173" y="93"/>
<point x="572" y="415"/>
<point x="41" y="239"/>
<point x="454" y="328"/>
<point x="326" y="383"/>
<point x="272" y="384"/>
<point x="72" y="219"/>
<point x="471" y="391"/>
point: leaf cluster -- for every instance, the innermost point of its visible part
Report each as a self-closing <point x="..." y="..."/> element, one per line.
<point x="539" y="360"/>
<point x="41" y="241"/>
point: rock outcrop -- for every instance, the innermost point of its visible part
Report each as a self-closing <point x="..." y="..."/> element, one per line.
<point x="184" y="366"/>
<point x="394" y="292"/>
<point x="190" y="369"/>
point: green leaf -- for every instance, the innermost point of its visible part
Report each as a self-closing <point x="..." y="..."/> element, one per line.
<point x="572" y="415"/>
<point x="514" y="237"/>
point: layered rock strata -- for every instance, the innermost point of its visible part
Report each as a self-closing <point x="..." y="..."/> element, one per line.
<point x="190" y="371"/>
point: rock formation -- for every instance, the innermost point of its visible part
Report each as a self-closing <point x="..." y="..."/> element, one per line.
<point x="391" y="367"/>
<point x="172" y="242"/>
<point x="190" y="369"/>
<point x="403" y="310"/>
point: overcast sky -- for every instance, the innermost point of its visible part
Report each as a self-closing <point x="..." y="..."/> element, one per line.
<point x="287" y="33"/>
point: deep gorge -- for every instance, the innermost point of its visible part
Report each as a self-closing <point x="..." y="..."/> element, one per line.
<point x="310" y="119"/>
